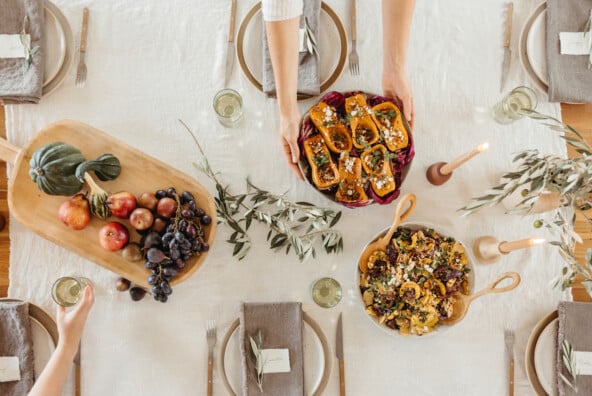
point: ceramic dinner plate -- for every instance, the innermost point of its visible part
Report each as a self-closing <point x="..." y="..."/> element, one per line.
<point x="541" y="355"/>
<point x="317" y="358"/>
<point x="332" y="45"/>
<point x="59" y="48"/>
<point x="532" y="50"/>
<point x="44" y="333"/>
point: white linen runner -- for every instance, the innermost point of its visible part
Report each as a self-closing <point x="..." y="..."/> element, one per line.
<point x="153" y="62"/>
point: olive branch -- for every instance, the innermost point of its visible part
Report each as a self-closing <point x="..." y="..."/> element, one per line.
<point x="258" y="358"/>
<point x="571" y="179"/>
<point x="569" y="361"/>
<point x="295" y="226"/>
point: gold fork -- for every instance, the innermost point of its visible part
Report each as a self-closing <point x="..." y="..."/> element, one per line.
<point x="354" y="60"/>
<point x="211" y="338"/>
<point x="81" y="71"/>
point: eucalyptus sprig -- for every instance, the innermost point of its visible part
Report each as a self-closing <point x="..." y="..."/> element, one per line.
<point x="294" y="226"/>
<point x="257" y="355"/>
<point x="569" y="361"/>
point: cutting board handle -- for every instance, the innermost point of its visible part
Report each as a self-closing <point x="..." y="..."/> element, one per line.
<point x="8" y="151"/>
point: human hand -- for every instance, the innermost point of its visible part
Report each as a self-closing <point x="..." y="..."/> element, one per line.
<point x="396" y="85"/>
<point x="70" y="324"/>
<point x="289" y="130"/>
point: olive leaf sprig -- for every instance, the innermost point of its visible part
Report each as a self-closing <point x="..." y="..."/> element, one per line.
<point x="569" y="361"/>
<point x="26" y="42"/>
<point x="588" y="36"/>
<point x="258" y="358"/>
<point x="295" y="226"/>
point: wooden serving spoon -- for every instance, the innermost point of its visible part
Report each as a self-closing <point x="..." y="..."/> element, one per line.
<point x="462" y="302"/>
<point x="382" y="243"/>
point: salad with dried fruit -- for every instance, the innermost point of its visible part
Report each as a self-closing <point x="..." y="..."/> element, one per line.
<point x="410" y="287"/>
<point x="356" y="148"/>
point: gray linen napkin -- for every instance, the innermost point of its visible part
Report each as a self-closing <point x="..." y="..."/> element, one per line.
<point x="18" y="85"/>
<point x="575" y="319"/>
<point x="569" y="77"/>
<point x="308" y="66"/>
<point x="16" y="339"/>
<point x="281" y="327"/>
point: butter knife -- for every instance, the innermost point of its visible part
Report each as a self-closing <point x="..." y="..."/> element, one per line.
<point x="231" y="50"/>
<point x="339" y="354"/>
<point x="507" y="50"/>
<point x="77" y="374"/>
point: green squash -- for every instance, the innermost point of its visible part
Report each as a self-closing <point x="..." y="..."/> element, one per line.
<point x="53" y="168"/>
<point x="106" y="167"/>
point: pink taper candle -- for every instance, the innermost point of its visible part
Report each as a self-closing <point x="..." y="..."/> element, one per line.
<point x="449" y="167"/>
<point x="506" y="247"/>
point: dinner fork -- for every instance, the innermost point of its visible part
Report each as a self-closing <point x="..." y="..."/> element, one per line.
<point x="81" y="71"/>
<point x="354" y="60"/>
<point x="509" y="340"/>
<point x="211" y="338"/>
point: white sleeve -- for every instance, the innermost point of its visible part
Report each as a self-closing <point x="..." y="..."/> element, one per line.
<point x="278" y="10"/>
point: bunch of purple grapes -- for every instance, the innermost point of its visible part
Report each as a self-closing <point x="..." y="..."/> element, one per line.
<point x="168" y="251"/>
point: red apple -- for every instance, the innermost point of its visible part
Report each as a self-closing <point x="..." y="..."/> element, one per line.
<point x="121" y="204"/>
<point x="75" y="212"/>
<point x="113" y="236"/>
<point x="141" y="219"/>
<point x="166" y="207"/>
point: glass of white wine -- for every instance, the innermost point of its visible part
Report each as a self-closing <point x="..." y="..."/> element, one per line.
<point x="326" y="292"/>
<point x="228" y="105"/>
<point x="67" y="290"/>
<point x="509" y="109"/>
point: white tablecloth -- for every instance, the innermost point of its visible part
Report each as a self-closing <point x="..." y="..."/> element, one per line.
<point x="152" y="62"/>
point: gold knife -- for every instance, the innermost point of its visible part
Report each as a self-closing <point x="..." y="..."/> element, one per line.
<point x="507" y="50"/>
<point x="77" y="374"/>
<point x="231" y="50"/>
<point x="339" y="354"/>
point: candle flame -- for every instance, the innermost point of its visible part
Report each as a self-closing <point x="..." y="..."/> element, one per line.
<point x="483" y="147"/>
<point x="537" y="241"/>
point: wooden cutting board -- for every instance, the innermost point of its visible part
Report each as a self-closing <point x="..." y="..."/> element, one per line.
<point x="39" y="211"/>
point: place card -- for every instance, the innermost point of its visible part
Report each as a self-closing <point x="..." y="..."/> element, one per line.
<point x="583" y="362"/>
<point x="9" y="369"/>
<point x="276" y="360"/>
<point x="574" y="43"/>
<point x="11" y="46"/>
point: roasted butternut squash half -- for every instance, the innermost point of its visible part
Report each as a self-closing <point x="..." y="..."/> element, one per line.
<point x="388" y="119"/>
<point x="356" y="106"/>
<point x="335" y="133"/>
<point x="364" y="132"/>
<point x="350" y="185"/>
<point x="324" y="172"/>
<point x="376" y="163"/>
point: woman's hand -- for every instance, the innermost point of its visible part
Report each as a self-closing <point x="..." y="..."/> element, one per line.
<point x="396" y="85"/>
<point x="289" y="130"/>
<point x="70" y="324"/>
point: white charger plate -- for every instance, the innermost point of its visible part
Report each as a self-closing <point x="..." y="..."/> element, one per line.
<point x="536" y="48"/>
<point x="545" y="355"/>
<point x="538" y="55"/>
<point x="332" y="45"/>
<point x="59" y="48"/>
<point x="317" y="358"/>
<point x="43" y="345"/>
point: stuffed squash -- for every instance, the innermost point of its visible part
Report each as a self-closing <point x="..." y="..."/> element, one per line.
<point x="388" y="119"/>
<point x="356" y="107"/>
<point x="350" y="185"/>
<point x="333" y="130"/>
<point x="376" y="163"/>
<point x="364" y="132"/>
<point x="324" y="172"/>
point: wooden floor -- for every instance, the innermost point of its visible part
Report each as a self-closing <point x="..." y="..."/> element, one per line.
<point x="578" y="116"/>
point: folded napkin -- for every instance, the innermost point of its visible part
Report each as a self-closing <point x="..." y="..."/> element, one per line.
<point x="17" y="83"/>
<point x="16" y="339"/>
<point x="569" y="77"/>
<point x="308" y="64"/>
<point x="281" y="327"/>
<point x="574" y="326"/>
